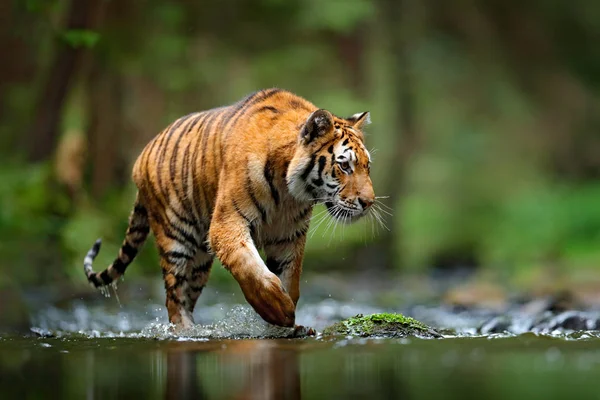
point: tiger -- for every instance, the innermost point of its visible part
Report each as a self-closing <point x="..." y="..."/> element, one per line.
<point x="229" y="181"/>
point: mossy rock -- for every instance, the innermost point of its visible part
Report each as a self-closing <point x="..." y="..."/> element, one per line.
<point x="381" y="325"/>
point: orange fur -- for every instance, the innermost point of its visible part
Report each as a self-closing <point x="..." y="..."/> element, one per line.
<point x="228" y="181"/>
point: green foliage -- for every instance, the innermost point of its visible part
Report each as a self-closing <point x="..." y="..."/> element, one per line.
<point x="558" y="223"/>
<point x="81" y="38"/>
<point x="481" y="182"/>
<point x="31" y="213"/>
<point x="38" y="6"/>
<point x="318" y="14"/>
<point x="384" y="324"/>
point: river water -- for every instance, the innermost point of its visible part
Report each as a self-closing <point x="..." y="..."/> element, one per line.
<point x="98" y="348"/>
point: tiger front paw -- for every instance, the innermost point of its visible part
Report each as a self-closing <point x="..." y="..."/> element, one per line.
<point x="270" y="300"/>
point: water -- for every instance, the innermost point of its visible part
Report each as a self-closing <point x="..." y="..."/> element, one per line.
<point x="510" y="368"/>
<point x="97" y="348"/>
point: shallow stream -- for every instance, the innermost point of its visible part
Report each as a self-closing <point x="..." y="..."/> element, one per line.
<point x="96" y="348"/>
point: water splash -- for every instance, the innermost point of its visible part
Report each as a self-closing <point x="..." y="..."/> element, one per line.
<point x="240" y="322"/>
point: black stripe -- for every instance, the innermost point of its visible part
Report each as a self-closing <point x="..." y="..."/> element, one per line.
<point x="173" y="161"/>
<point x="94" y="279"/>
<point x="309" y="167"/>
<point x="143" y="229"/>
<point x="332" y="186"/>
<point x="303" y="214"/>
<point x="140" y="210"/>
<point x="160" y="163"/>
<point x="201" y="269"/>
<point x="129" y="250"/>
<point x="288" y="240"/>
<point x="295" y="104"/>
<point x="105" y="278"/>
<point x="160" y="189"/>
<point x="267" y="108"/>
<point x="171" y="294"/>
<point x="207" y="131"/>
<point x="184" y="180"/>
<point x="197" y="196"/>
<point x="175" y="233"/>
<point x="179" y="280"/>
<point x="259" y="207"/>
<point x="186" y="236"/>
<point x="120" y="266"/>
<point x="218" y="132"/>
<point x="330" y="149"/>
<point x="182" y="218"/>
<point x="203" y="248"/>
<point x="172" y="254"/>
<point x="319" y="180"/>
<point x="269" y="173"/>
<point x="253" y="99"/>
<point x="196" y="289"/>
<point x="276" y="266"/>
<point x="324" y="145"/>
<point x="173" y="166"/>
<point x="239" y="211"/>
<point x="345" y="142"/>
<point x="149" y="153"/>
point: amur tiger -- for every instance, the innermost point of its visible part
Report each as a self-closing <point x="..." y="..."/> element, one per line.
<point x="229" y="181"/>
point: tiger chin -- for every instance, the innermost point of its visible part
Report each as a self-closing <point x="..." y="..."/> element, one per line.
<point x="229" y="181"/>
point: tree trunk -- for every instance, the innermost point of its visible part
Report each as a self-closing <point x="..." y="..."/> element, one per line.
<point x="106" y="132"/>
<point x="44" y="132"/>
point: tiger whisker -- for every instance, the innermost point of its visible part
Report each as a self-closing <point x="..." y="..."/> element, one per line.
<point x="379" y="208"/>
<point x="334" y="216"/>
<point x="378" y="201"/>
<point x="318" y="214"/>
<point x="379" y="218"/>
<point x="318" y="224"/>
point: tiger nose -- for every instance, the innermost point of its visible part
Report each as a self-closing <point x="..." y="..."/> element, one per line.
<point x="365" y="202"/>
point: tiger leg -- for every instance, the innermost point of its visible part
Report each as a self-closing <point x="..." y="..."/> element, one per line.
<point x="176" y="260"/>
<point x="198" y="275"/>
<point x="284" y="259"/>
<point x="231" y="240"/>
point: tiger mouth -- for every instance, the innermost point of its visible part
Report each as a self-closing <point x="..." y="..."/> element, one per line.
<point x="342" y="213"/>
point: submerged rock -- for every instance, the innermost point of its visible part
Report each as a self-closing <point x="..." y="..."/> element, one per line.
<point x="381" y="325"/>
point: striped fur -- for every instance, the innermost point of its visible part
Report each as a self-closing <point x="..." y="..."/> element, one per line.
<point x="232" y="180"/>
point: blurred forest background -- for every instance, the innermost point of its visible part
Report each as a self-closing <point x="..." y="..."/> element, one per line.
<point x="486" y="118"/>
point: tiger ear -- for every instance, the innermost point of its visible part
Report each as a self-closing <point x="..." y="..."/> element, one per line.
<point x="359" y="120"/>
<point x="318" y="124"/>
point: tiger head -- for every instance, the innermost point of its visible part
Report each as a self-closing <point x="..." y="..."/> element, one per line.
<point x="331" y="165"/>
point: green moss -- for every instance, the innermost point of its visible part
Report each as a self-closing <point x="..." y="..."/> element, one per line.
<point x="384" y="324"/>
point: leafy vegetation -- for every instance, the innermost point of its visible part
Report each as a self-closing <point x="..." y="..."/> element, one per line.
<point x="484" y="136"/>
<point x="384" y="324"/>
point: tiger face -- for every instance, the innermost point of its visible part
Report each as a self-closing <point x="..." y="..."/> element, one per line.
<point x="331" y="165"/>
